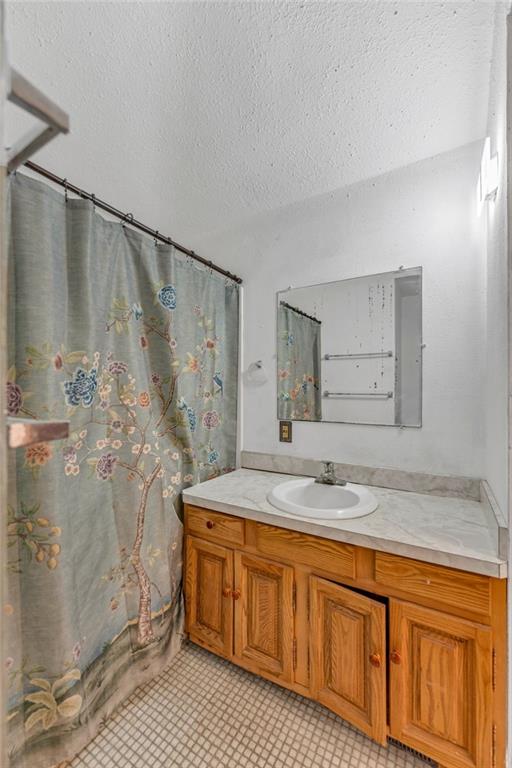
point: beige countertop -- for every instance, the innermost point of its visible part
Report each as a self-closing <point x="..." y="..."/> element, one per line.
<point x="449" y="531"/>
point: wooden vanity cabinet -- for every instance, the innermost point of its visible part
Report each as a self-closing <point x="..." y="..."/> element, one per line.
<point x="347" y="641"/>
<point x="208" y="594"/>
<point x="315" y="615"/>
<point x="441" y="685"/>
<point x="264" y="616"/>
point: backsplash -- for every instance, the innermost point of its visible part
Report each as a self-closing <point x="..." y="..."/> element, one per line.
<point x="417" y="482"/>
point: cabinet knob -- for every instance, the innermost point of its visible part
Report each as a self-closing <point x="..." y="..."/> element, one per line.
<point x="375" y="659"/>
<point x="209" y="524"/>
<point x="226" y="592"/>
<point x="236" y="594"/>
<point x="395" y="657"/>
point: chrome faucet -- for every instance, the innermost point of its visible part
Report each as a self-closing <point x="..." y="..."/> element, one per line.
<point x="328" y="475"/>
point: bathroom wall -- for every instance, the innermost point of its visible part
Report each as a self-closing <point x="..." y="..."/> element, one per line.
<point x="423" y="214"/>
<point x="195" y="114"/>
<point x="494" y="219"/>
<point x="191" y="173"/>
<point x="497" y="382"/>
<point x="272" y="153"/>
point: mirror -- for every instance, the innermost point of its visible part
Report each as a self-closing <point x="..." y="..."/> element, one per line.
<point x="350" y="351"/>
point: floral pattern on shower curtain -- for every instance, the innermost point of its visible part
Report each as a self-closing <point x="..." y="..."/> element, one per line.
<point x="138" y="348"/>
<point x="298" y="365"/>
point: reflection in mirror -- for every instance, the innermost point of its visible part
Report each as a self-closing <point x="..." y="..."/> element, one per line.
<point x="298" y="364"/>
<point x="350" y="351"/>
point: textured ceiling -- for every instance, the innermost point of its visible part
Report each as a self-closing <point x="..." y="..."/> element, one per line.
<point x="195" y="115"/>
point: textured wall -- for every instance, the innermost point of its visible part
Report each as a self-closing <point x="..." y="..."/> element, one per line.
<point x="494" y="218"/>
<point x="193" y="115"/>
<point x="421" y="215"/>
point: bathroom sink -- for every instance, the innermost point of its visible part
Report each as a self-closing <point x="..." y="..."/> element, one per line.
<point x="305" y="498"/>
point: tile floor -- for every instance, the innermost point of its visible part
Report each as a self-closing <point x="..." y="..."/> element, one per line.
<point x="203" y="711"/>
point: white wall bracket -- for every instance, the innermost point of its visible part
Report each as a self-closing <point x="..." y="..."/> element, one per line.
<point x="19" y="91"/>
<point x="25" y="95"/>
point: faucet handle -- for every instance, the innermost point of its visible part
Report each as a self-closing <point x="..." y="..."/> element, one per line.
<point x="328" y="466"/>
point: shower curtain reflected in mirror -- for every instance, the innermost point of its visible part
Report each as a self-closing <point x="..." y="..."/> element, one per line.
<point x="138" y="348"/>
<point x="298" y="365"/>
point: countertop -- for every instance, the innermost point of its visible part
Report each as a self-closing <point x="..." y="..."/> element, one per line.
<point x="449" y="531"/>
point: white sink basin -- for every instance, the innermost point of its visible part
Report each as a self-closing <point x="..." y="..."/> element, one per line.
<point x="305" y="498"/>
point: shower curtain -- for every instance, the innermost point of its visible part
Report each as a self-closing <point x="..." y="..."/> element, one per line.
<point x="298" y="365"/>
<point x="138" y="348"/>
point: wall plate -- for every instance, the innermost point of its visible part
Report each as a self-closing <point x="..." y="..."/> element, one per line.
<point x="285" y="431"/>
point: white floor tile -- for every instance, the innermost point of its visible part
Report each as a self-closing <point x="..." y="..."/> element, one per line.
<point x="204" y="712"/>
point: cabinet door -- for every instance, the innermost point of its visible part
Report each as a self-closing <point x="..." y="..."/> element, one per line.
<point x="208" y="594"/>
<point x="348" y="655"/>
<point x="441" y="686"/>
<point x="264" y="631"/>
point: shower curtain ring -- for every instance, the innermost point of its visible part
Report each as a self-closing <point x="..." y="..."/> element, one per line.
<point x="157" y="234"/>
<point x="65" y="182"/>
<point x="93" y="199"/>
<point x="128" y="218"/>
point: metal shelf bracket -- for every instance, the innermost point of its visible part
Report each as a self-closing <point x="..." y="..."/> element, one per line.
<point x="25" y="95"/>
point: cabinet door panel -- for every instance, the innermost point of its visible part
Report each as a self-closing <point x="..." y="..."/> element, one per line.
<point x="441" y="685"/>
<point x="264" y="615"/>
<point x="208" y="593"/>
<point x="348" y="655"/>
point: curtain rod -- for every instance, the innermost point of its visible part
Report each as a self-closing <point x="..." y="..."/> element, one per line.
<point x="128" y="219"/>
<point x="300" y="312"/>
